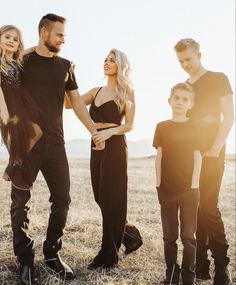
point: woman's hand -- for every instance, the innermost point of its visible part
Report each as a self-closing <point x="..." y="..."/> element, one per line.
<point x="99" y="146"/>
<point x="102" y="136"/>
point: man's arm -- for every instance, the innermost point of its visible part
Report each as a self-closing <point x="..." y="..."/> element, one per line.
<point x="80" y="110"/>
<point x="197" y="160"/>
<point x="67" y="103"/>
<point x="88" y="98"/>
<point x="158" y="166"/>
<point x="227" y="110"/>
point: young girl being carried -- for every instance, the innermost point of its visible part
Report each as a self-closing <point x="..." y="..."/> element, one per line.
<point x="18" y="114"/>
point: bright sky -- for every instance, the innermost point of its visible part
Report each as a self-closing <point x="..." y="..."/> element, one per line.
<point x="146" y="31"/>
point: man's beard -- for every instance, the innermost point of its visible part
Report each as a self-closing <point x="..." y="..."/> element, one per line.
<point x="50" y="47"/>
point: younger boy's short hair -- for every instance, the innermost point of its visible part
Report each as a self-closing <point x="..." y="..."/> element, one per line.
<point x="184" y="44"/>
<point x="182" y="86"/>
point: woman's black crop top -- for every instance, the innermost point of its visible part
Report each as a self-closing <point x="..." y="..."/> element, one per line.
<point x="108" y="112"/>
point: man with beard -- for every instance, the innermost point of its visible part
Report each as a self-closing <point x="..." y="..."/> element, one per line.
<point x="47" y="77"/>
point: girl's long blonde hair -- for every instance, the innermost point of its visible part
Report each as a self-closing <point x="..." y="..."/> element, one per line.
<point x="124" y="88"/>
<point x="18" y="56"/>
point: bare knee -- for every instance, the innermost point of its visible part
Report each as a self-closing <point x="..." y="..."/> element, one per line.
<point x="38" y="132"/>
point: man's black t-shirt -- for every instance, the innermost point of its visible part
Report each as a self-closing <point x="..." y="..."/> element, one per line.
<point x="47" y="79"/>
<point x="178" y="141"/>
<point x="208" y="89"/>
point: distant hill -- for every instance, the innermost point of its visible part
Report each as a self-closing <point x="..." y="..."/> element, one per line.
<point x="80" y="148"/>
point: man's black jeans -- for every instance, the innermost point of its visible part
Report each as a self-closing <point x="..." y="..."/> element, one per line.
<point x="52" y="161"/>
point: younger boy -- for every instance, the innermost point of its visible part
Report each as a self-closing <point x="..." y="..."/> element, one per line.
<point x="178" y="166"/>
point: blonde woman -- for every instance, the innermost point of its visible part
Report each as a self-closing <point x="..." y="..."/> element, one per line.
<point x="112" y="109"/>
<point x="18" y="114"/>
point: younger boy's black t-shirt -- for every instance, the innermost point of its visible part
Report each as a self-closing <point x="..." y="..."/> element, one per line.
<point x="47" y="79"/>
<point x="178" y="141"/>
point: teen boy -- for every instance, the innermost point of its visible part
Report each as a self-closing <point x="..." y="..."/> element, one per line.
<point x="213" y="111"/>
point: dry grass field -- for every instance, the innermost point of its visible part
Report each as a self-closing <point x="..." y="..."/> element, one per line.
<point x="82" y="235"/>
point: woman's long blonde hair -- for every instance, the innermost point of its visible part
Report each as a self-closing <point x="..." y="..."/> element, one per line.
<point x="124" y="88"/>
<point x="18" y="56"/>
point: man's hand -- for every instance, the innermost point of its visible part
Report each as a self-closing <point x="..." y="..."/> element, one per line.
<point x="211" y="153"/>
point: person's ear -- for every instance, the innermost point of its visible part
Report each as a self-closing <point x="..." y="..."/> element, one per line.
<point x="199" y="55"/>
<point x="44" y="33"/>
<point x="192" y="104"/>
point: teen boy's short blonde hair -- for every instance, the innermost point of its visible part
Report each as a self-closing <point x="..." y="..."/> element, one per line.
<point x="183" y="86"/>
<point x="184" y="44"/>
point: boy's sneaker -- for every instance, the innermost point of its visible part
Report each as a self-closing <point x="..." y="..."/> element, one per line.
<point x="172" y="276"/>
<point x="202" y="269"/>
<point x="203" y="273"/>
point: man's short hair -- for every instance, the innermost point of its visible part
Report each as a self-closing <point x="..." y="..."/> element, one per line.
<point x="184" y="44"/>
<point x="48" y="19"/>
<point x="182" y="86"/>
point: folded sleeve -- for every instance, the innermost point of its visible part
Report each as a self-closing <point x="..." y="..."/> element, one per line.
<point x="71" y="82"/>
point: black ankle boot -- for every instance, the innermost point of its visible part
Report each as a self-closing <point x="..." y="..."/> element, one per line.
<point x="27" y="275"/>
<point x="132" y="239"/>
<point x="102" y="261"/>
<point x="222" y="276"/>
<point x="58" y="266"/>
<point x="19" y="175"/>
<point x="202" y="270"/>
<point x="97" y="265"/>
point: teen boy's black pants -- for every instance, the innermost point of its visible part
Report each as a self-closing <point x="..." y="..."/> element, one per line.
<point x="52" y="161"/>
<point x="210" y="228"/>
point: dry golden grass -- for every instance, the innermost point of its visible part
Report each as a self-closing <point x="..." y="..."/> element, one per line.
<point x="82" y="235"/>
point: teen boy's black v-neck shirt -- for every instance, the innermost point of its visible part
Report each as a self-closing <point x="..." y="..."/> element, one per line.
<point x="209" y="89"/>
<point x="47" y="79"/>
